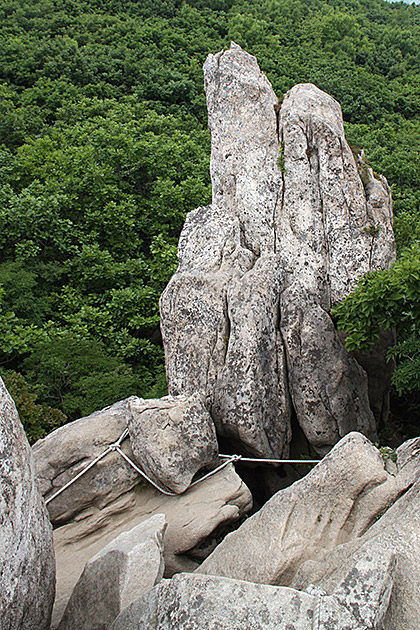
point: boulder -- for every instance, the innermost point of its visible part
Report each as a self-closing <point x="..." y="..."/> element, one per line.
<point x="337" y="501"/>
<point x="396" y="531"/>
<point x="27" y="567"/>
<point x="207" y="602"/>
<point x="194" y="519"/>
<point x="296" y="219"/>
<point x="172" y="438"/>
<point x="65" y="452"/>
<point x="126" y="568"/>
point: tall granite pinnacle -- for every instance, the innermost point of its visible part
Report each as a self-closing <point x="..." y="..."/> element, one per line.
<point x="291" y="229"/>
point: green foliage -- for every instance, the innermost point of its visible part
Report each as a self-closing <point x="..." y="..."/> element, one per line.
<point x="78" y="376"/>
<point x="104" y="149"/>
<point x="280" y="159"/>
<point x="37" y="419"/>
<point x="383" y="300"/>
<point x="387" y="453"/>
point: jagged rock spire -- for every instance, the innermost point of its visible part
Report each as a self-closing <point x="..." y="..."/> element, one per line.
<point x="291" y="228"/>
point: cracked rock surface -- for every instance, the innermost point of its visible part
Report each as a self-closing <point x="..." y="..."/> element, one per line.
<point x="296" y="219"/>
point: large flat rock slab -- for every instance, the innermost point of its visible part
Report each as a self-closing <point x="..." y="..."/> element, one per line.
<point x="207" y="602"/>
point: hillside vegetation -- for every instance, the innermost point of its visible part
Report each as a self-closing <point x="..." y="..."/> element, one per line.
<point x="104" y="148"/>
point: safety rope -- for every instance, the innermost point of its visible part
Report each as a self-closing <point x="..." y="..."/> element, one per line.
<point x="273" y="461"/>
<point x="109" y="449"/>
<point x="116" y="446"/>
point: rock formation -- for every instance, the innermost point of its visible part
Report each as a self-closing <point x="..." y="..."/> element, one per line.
<point x="348" y="509"/>
<point x="292" y="227"/>
<point x="180" y="441"/>
<point x="296" y="219"/>
<point x="27" y="568"/>
<point x="65" y="452"/>
<point x="359" y="602"/>
<point x="194" y="520"/>
<point x="397" y="530"/>
<point x="172" y="438"/>
<point x="112" y="497"/>
<point x="120" y="573"/>
<point x="337" y="501"/>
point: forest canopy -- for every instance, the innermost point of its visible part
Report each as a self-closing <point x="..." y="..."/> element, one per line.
<point x="104" y="148"/>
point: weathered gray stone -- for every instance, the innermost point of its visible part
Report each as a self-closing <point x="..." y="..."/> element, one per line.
<point x="194" y="601"/>
<point x="396" y="531"/>
<point x="194" y="520"/>
<point x="292" y="227"/>
<point x="125" y="569"/>
<point x="65" y="452"/>
<point x="336" y="502"/>
<point x="27" y="568"/>
<point x="172" y="438"/>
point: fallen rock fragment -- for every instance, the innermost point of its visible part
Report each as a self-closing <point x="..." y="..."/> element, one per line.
<point x="27" y="567"/>
<point x="172" y="438"/>
<point x="126" y="568"/>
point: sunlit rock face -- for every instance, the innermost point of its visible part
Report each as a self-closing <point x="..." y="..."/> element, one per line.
<point x="296" y="219"/>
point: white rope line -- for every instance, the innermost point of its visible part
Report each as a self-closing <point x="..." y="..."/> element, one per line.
<point x="317" y="613"/>
<point x="116" y="446"/>
<point x="111" y="447"/>
<point x="272" y="461"/>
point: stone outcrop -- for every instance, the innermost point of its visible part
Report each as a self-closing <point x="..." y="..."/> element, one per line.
<point x="27" y="568"/>
<point x="194" y="520"/>
<point x="294" y="222"/>
<point x="336" y="502"/>
<point x="206" y="602"/>
<point x="125" y="569"/>
<point x="398" y="531"/>
<point x="65" y="452"/>
<point x="172" y="438"/>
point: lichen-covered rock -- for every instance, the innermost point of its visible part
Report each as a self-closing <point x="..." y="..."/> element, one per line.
<point x="296" y="219"/>
<point x="336" y="502"/>
<point x="172" y="438"/>
<point x="27" y="567"/>
<point x="124" y="570"/>
<point x="207" y="602"/>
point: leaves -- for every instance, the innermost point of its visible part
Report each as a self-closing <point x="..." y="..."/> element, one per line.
<point x="388" y="299"/>
<point x="104" y="148"/>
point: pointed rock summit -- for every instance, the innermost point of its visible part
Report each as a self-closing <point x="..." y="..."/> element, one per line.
<point x="296" y="219"/>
